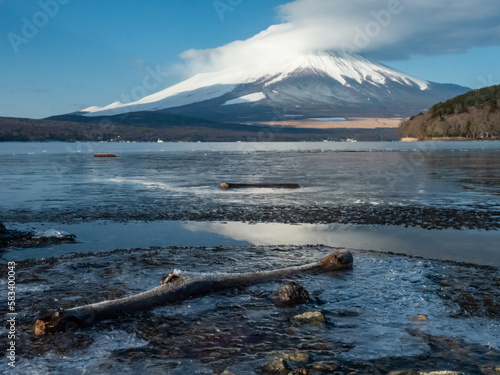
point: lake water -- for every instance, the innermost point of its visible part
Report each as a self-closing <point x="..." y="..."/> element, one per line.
<point x="389" y="192"/>
<point x="160" y="203"/>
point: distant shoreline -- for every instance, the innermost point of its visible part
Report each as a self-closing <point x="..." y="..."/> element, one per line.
<point x="67" y="129"/>
<point x="348" y="123"/>
<point x="447" y="139"/>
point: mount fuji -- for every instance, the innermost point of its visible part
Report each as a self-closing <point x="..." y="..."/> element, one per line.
<point x="310" y="85"/>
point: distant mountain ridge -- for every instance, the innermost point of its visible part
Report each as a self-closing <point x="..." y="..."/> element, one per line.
<point x="310" y="85"/>
<point x="474" y="115"/>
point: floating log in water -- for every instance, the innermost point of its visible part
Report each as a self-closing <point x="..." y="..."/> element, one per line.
<point x="178" y="286"/>
<point x="105" y="156"/>
<point x="227" y="185"/>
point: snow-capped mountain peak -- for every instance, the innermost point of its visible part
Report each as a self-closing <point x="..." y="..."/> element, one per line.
<point x="343" y="67"/>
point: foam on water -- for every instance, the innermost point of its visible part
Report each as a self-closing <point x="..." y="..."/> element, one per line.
<point x="50" y="233"/>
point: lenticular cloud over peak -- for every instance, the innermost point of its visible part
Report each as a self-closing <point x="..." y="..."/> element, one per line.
<point x="381" y="29"/>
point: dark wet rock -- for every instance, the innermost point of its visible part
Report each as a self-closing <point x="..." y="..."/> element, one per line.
<point x="4" y="236"/>
<point x="22" y="239"/>
<point x="326" y="366"/>
<point x="290" y="294"/>
<point x="405" y="372"/>
<point x="464" y="356"/>
<point x="277" y="367"/>
<point x="3" y="230"/>
<point x="495" y="370"/>
<point x="310" y="317"/>
<point x="478" y="294"/>
<point x="299" y="371"/>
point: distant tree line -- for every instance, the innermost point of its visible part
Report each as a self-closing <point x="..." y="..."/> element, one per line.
<point x="474" y="115"/>
<point x="30" y="130"/>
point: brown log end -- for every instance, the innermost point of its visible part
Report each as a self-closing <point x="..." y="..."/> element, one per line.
<point x="224" y="186"/>
<point x="40" y="328"/>
<point x="339" y="260"/>
<point x="169" y="278"/>
<point x="48" y="324"/>
<point x="56" y="322"/>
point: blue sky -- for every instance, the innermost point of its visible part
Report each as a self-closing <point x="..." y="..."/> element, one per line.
<point x="60" y="56"/>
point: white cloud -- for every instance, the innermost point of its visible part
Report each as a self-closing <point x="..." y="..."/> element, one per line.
<point x="405" y="27"/>
<point x="382" y="29"/>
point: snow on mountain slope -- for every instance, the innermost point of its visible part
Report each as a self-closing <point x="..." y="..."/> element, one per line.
<point x="206" y="86"/>
<point x="250" y="98"/>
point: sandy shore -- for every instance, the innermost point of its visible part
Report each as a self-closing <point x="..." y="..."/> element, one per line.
<point x="350" y="123"/>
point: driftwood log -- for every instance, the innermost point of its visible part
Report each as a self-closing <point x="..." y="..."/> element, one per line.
<point x="227" y="185"/>
<point x="178" y="286"/>
<point x="105" y="156"/>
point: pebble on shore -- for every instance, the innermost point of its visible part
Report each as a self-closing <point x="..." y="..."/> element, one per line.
<point x="296" y="357"/>
<point x="310" y="317"/>
<point x="277" y="367"/>
<point x="299" y="371"/>
<point x="325" y="366"/>
<point x="491" y="370"/>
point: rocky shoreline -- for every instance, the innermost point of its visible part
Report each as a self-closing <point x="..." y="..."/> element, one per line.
<point x="24" y="239"/>
<point x="441" y="217"/>
<point x="244" y="331"/>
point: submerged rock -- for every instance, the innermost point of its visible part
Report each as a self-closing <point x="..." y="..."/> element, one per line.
<point x="296" y="356"/>
<point x="299" y="371"/>
<point x="310" y="317"/>
<point x="278" y="367"/>
<point x="327" y="366"/>
<point x="419" y="318"/>
<point x="290" y="294"/>
<point x="491" y="370"/>
<point x="3" y="230"/>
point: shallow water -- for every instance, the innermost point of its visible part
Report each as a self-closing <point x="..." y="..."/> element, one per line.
<point x="372" y="314"/>
<point x="180" y="181"/>
<point x="470" y="246"/>
<point x="434" y="200"/>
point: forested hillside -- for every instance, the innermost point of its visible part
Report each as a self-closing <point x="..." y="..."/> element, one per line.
<point x="474" y="115"/>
